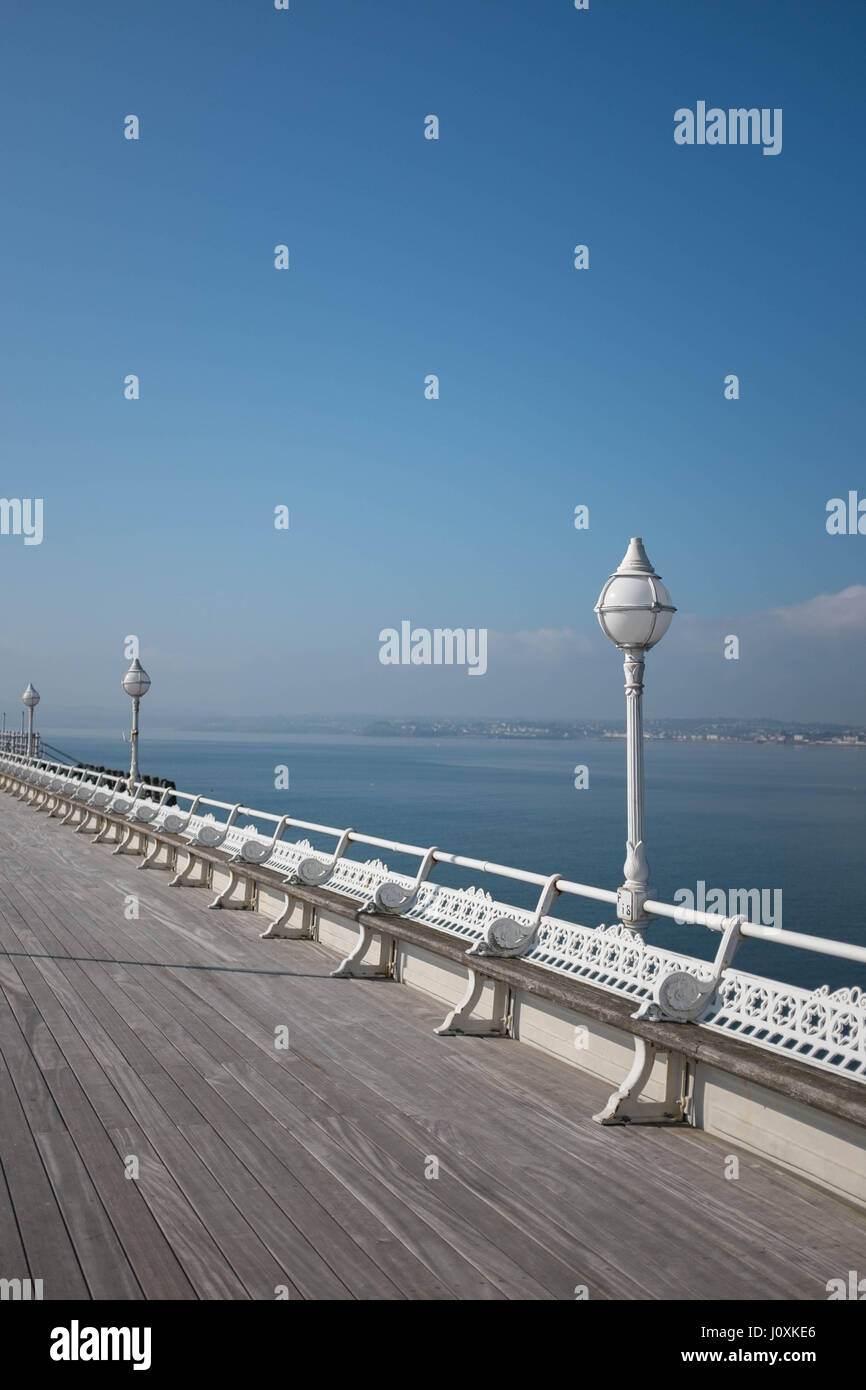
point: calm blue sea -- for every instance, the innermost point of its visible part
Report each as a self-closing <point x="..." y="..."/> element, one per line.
<point x="733" y="816"/>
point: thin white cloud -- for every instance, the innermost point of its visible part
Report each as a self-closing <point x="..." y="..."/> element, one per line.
<point x="827" y="613"/>
<point x="550" y="645"/>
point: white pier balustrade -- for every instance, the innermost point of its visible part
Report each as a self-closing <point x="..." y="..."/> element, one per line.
<point x="250" y="857"/>
<point x="828" y="1029"/>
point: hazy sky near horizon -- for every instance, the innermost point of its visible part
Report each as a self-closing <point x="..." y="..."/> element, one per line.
<point x="409" y="257"/>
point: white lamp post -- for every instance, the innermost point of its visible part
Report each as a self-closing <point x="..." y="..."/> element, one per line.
<point x="136" y="683"/>
<point x="31" y="700"/>
<point x="634" y="609"/>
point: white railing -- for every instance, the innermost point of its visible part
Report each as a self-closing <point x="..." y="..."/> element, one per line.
<point x="826" y="1029"/>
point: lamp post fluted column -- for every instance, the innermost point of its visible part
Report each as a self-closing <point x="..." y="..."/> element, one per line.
<point x="134" y="771"/>
<point x="636" y="867"/>
<point x="634" y="610"/>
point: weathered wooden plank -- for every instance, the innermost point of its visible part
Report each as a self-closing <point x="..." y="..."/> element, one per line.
<point x="221" y="1256"/>
<point x="468" y="1278"/>
<point x="412" y="1275"/>
<point x="303" y="1189"/>
<point x="14" y="1255"/>
<point x="99" y="1252"/>
<point x="258" y="1206"/>
<point x="470" y="1210"/>
<point x="261" y="1179"/>
<point x="67" y="943"/>
<point x="50" y="1253"/>
<point x="472" y="1289"/>
<point x="363" y="1123"/>
<point x="411" y="1143"/>
<point x="346" y="1103"/>
<point x="164" y="1113"/>
<point x="185" y="1112"/>
<point x="146" y="1245"/>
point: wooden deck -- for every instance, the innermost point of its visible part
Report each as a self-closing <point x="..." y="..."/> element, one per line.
<point x="304" y="1169"/>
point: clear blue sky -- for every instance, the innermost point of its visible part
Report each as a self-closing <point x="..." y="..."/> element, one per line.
<point x="410" y="257"/>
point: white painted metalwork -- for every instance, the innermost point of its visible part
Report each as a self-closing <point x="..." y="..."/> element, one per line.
<point x="625" y="1106"/>
<point x="208" y="831"/>
<point x="316" y="870"/>
<point x="462" y="1018"/>
<point x="511" y="936"/>
<point x="395" y="894"/>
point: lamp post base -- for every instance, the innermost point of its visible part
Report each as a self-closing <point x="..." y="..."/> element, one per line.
<point x="631" y="897"/>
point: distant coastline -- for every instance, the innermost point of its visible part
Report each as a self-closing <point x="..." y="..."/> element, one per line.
<point x="754" y="731"/>
<point x="762" y="731"/>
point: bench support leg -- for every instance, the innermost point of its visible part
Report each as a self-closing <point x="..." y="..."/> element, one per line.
<point x="152" y="856"/>
<point x="278" y="927"/>
<point x="110" y="833"/>
<point x="224" y="897"/>
<point x="460" y="1019"/>
<point x="353" y="968"/>
<point x="185" y="880"/>
<point x="133" y="841"/>
<point x="625" y="1106"/>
